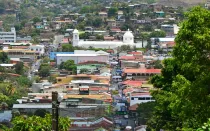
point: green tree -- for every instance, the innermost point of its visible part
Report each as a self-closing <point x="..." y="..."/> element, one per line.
<point x="83" y="70"/>
<point x="112" y="11"/>
<point x="23" y="81"/>
<point x="41" y="112"/>
<point x="36" y="123"/>
<point x="144" y="111"/>
<point x="67" y="48"/>
<point x="99" y="37"/>
<point x="36" y="19"/>
<point x="157" y="34"/>
<point x="69" y="65"/>
<point x="44" y="70"/>
<point x="143" y="37"/>
<point x="19" y="68"/>
<point x="205" y="127"/>
<point x="183" y="93"/>
<point x="158" y="64"/>
<point x="97" y="22"/>
<point x="3" y="57"/>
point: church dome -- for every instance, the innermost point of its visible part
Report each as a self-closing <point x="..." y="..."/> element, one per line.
<point x="75" y="31"/>
<point x="128" y="34"/>
<point x="128" y="37"/>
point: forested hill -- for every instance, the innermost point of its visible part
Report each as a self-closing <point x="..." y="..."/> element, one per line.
<point x="183" y="3"/>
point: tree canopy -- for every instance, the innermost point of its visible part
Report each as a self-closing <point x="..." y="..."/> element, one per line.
<point x="69" y="65"/>
<point x="36" y="123"/>
<point x="183" y="92"/>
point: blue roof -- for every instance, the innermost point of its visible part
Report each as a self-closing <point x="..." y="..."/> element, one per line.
<point x="53" y="54"/>
<point x="5" y="116"/>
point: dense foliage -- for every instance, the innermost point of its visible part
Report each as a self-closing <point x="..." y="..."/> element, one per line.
<point x="183" y="92"/>
<point x="69" y="65"/>
<point x="36" y="123"/>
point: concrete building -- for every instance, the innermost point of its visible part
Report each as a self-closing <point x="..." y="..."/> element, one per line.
<point x="138" y="98"/>
<point x="8" y="36"/>
<point x="83" y="56"/>
<point x="128" y="39"/>
<point x="38" y="48"/>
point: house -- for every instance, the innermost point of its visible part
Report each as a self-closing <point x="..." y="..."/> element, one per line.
<point x="53" y="54"/>
<point x="83" y="56"/>
<point x="25" y="39"/>
<point x="91" y="68"/>
<point x="140" y="73"/>
<point x="38" y="48"/>
<point x="39" y="25"/>
<point x="119" y="14"/>
<point x="8" y="36"/>
<point x="22" y="53"/>
<point x="103" y="15"/>
<point x="171" y="30"/>
<point x="79" y="77"/>
<point x="138" y="98"/>
<point x="111" y="22"/>
<point x="160" y="14"/>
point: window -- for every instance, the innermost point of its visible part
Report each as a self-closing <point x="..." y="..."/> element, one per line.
<point x="72" y="86"/>
<point x="59" y="80"/>
<point x="141" y="98"/>
<point x="67" y="86"/>
<point x="148" y="98"/>
<point x="132" y="98"/>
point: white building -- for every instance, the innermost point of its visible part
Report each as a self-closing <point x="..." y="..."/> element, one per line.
<point x="8" y="36"/>
<point x="83" y="56"/>
<point x="128" y="39"/>
<point x="138" y="98"/>
<point x="37" y="48"/>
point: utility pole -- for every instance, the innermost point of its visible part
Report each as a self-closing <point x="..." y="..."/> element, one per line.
<point x="55" y="111"/>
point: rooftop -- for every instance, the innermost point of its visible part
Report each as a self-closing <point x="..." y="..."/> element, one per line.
<point x="133" y="83"/>
<point x="141" y="94"/>
<point x="156" y="71"/>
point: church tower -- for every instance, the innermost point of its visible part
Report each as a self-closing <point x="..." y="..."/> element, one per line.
<point x="128" y="37"/>
<point x="75" y="37"/>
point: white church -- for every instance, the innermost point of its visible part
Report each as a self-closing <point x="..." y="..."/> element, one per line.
<point x="128" y="39"/>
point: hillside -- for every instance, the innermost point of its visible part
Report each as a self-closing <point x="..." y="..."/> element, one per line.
<point x="183" y="3"/>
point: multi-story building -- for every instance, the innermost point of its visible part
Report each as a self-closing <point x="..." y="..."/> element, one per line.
<point x="83" y="56"/>
<point x="8" y="36"/>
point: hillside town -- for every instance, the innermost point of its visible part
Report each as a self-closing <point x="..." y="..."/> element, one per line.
<point x="97" y="63"/>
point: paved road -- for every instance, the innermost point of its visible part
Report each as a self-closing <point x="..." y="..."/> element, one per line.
<point x="35" y="66"/>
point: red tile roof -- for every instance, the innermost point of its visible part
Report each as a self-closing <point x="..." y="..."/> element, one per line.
<point x="108" y="38"/>
<point x="135" y="53"/>
<point x="140" y="94"/>
<point x="133" y="107"/>
<point x="116" y="29"/>
<point x="155" y="71"/>
<point x="132" y="83"/>
<point x="171" y="44"/>
<point x="127" y="58"/>
<point x="128" y="90"/>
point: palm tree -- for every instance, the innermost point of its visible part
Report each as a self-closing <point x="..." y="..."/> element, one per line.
<point x="143" y="37"/>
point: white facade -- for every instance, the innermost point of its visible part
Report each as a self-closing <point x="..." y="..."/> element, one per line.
<point x="79" y="57"/>
<point x="128" y="39"/>
<point x="8" y="36"/>
<point x="141" y="98"/>
<point x="37" y="48"/>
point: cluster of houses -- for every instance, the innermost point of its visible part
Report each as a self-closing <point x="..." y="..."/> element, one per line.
<point x="89" y="98"/>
